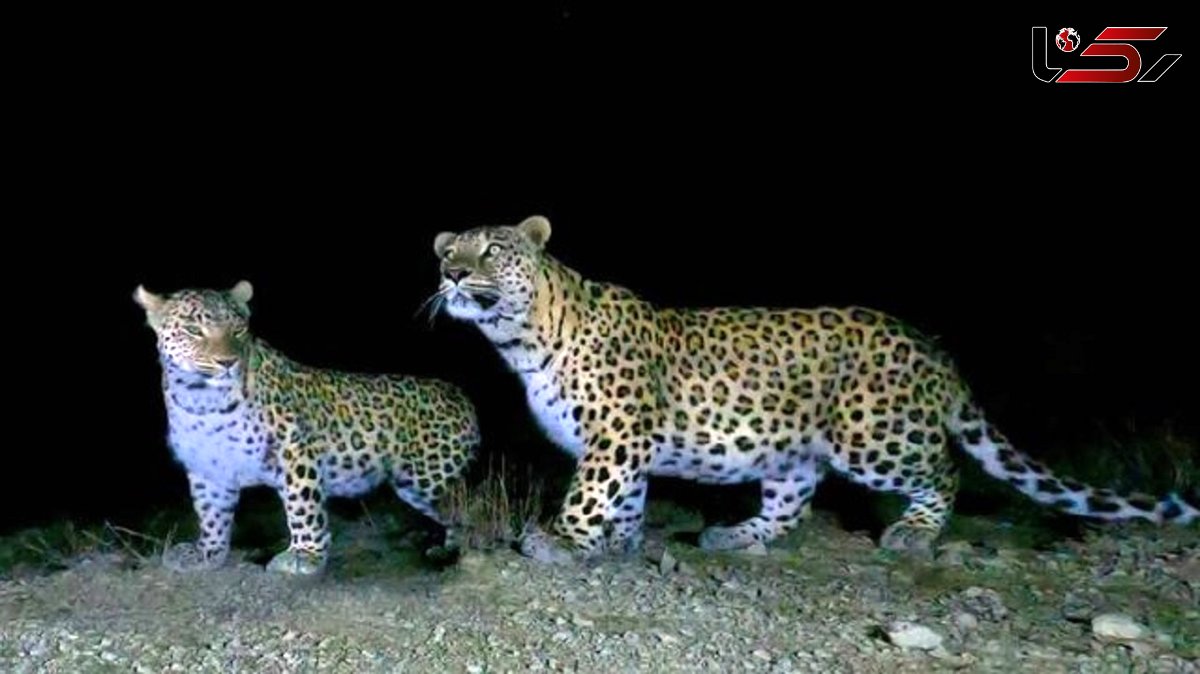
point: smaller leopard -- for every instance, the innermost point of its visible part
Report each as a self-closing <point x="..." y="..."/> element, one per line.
<point x="241" y="414"/>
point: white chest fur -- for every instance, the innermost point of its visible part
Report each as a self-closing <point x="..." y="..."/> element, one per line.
<point x="214" y="432"/>
<point x="553" y="412"/>
<point x="536" y="369"/>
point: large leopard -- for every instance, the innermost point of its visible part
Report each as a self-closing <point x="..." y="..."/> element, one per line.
<point x="240" y="413"/>
<point x="728" y="395"/>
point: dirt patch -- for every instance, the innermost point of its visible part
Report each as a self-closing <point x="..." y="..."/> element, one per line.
<point x="824" y="600"/>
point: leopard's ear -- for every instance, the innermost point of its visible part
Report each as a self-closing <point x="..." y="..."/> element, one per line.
<point x="242" y="292"/>
<point x="151" y="303"/>
<point x="148" y="300"/>
<point x="537" y="228"/>
<point x="441" y="241"/>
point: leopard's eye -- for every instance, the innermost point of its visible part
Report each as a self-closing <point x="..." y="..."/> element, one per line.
<point x="193" y="331"/>
<point x="492" y="250"/>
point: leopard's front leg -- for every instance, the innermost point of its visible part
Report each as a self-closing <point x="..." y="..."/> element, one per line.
<point x="214" y="504"/>
<point x="303" y="497"/>
<point x="603" y="510"/>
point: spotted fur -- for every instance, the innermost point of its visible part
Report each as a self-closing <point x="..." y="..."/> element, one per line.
<point x="241" y="414"/>
<point x="731" y="395"/>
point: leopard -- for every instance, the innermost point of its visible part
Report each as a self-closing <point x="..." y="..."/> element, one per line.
<point x="242" y="414"/>
<point x="728" y="395"/>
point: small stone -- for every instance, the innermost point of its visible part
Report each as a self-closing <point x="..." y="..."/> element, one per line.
<point x="580" y="621"/>
<point x="911" y="636"/>
<point x="762" y="655"/>
<point x="1118" y="627"/>
<point x="954" y="553"/>
<point x="966" y="621"/>
<point x="1076" y="608"/>
<point x="1189" y="571"/>
<point x="984" y="603"/>
<point x="667" y="563"/>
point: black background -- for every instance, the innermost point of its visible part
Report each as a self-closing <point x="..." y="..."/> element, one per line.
<point x="701" y="156"/>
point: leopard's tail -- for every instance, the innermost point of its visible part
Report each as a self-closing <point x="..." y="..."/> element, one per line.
<point x="1000" y="460"/>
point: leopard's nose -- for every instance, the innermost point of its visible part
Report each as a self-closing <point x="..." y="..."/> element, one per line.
<point x="457" y="275"/>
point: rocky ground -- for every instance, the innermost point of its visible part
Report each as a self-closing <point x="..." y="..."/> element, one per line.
<point x="825" y="600"/>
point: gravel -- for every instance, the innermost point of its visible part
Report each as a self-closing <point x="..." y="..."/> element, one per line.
<point x="824" y="601"/>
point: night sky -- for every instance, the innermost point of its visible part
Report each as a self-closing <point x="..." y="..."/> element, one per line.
<point x="698" y="159"/>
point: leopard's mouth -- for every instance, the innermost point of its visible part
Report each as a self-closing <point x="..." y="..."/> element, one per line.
<point x="483" y="299"/>
<point x="216" y="368"/>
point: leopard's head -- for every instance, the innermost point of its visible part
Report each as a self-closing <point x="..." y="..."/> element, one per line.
<point x="491" y="271"/>
<point x="200" y="330"/>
